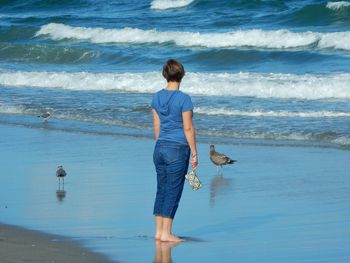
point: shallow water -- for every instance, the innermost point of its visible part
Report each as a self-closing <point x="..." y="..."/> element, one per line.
<point x="276" y="204"/>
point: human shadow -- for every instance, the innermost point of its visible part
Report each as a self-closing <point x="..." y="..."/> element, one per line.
<point x="218" y="185"/>
<point x="60" y="193"/>
<point x="163" y="251"/>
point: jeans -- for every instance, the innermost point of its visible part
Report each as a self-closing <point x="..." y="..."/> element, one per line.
<point x="171" y="161"/>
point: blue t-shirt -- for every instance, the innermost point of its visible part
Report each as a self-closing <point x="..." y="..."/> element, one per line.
<point x="170" y="104"/>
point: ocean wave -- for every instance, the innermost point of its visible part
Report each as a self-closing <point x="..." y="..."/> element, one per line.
<point x="255" y="38"/>
<point x="45" y="53"/>
<point x="41" y="4"/>
<point x="260" y="85"/>
<point x="110" y="126"/>
<point x="264" y="113"/>
<point x="293" y="137"/>
<point x="342" y="140"/>
<point x="81" y="116"/>
<point x="261" y="136"/>
<point x="10" y="109"/>
<point x="169" y="4"/>
<point x="319" y="14"/>
<point x="338" y="5"/>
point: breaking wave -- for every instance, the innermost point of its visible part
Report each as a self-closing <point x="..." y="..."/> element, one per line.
<point x="256" y="38"/>
<point x="264" y="113"/>
<point x="260" y="85"/>
<point x="169" y="4"/>
<point x="338" y="5"/>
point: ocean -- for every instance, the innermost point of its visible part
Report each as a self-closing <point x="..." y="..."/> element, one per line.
<point x="259" y="72"/>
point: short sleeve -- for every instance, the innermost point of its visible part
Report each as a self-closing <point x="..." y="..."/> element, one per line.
<point x="187" y="104"/>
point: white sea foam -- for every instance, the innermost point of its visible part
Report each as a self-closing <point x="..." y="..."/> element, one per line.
<point x="256" y="38"/>
<point x="264" y="136"/>
<point x="338" y="5"/>
<point x="263" y="113"/>
<point x="336" y="40"/>
<point x="132" y="82"/>
<point x="9" y="109"/>
<point x="169" y="4"/>
<point x="261" y="85"/>
<point x="342" y="140"/>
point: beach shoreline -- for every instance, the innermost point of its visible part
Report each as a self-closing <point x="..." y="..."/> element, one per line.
<point x="22" y="245"/>
<point x="277" y="204"/>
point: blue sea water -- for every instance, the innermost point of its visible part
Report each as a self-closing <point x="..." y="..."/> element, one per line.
<point x="261" y="72"/>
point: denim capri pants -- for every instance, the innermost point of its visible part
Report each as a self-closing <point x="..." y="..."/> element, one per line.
<point x="171" y="161"/>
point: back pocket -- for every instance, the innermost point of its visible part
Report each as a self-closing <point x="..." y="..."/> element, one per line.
<point x="172" y="153"/>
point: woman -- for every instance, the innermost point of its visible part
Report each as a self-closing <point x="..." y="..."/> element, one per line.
<point x="175" y="139"/>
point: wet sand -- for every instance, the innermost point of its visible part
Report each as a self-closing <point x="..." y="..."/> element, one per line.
<point x="21" y="245"/>
<point x="277" y="204"/>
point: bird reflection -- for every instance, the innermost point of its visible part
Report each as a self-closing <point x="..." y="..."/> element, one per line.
<point x="218" y="185"/>
<point x="163" y="251"/>
<point x="60" y="193"/>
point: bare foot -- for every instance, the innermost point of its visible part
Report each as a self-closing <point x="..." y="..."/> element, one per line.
<point x="157" y="236"/>
<point x="171" y="238"/>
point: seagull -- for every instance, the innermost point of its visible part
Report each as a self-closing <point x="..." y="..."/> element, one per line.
<point x="45" y="116"/>
<point x="60" y="173"/>
<point x="219" y="159"/>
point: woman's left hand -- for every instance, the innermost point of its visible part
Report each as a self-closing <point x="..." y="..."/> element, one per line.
<point x="194" y="161"/>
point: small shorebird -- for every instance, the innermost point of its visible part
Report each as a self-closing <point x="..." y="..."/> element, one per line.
<point x="45" y="116"/>
<point x="60" y="173"/>
<point x="219" y="159"/>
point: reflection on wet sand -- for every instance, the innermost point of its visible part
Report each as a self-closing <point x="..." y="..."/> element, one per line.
<point x="163" y="251"/>
<point x="60" y="193"/>
<point x="219" y="184"/>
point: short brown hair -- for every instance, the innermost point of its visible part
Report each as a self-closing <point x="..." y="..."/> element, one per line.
<point x="173" y="70"/>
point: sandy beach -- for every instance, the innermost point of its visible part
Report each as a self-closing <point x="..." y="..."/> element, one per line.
<point x="20" y="245"/>
<point x="277" y="204"/>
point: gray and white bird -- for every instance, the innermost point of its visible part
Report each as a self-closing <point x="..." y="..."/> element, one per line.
<point x="219" y="159"/>
<point x="45" y="116"/>
<point x="60" y="173"/>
